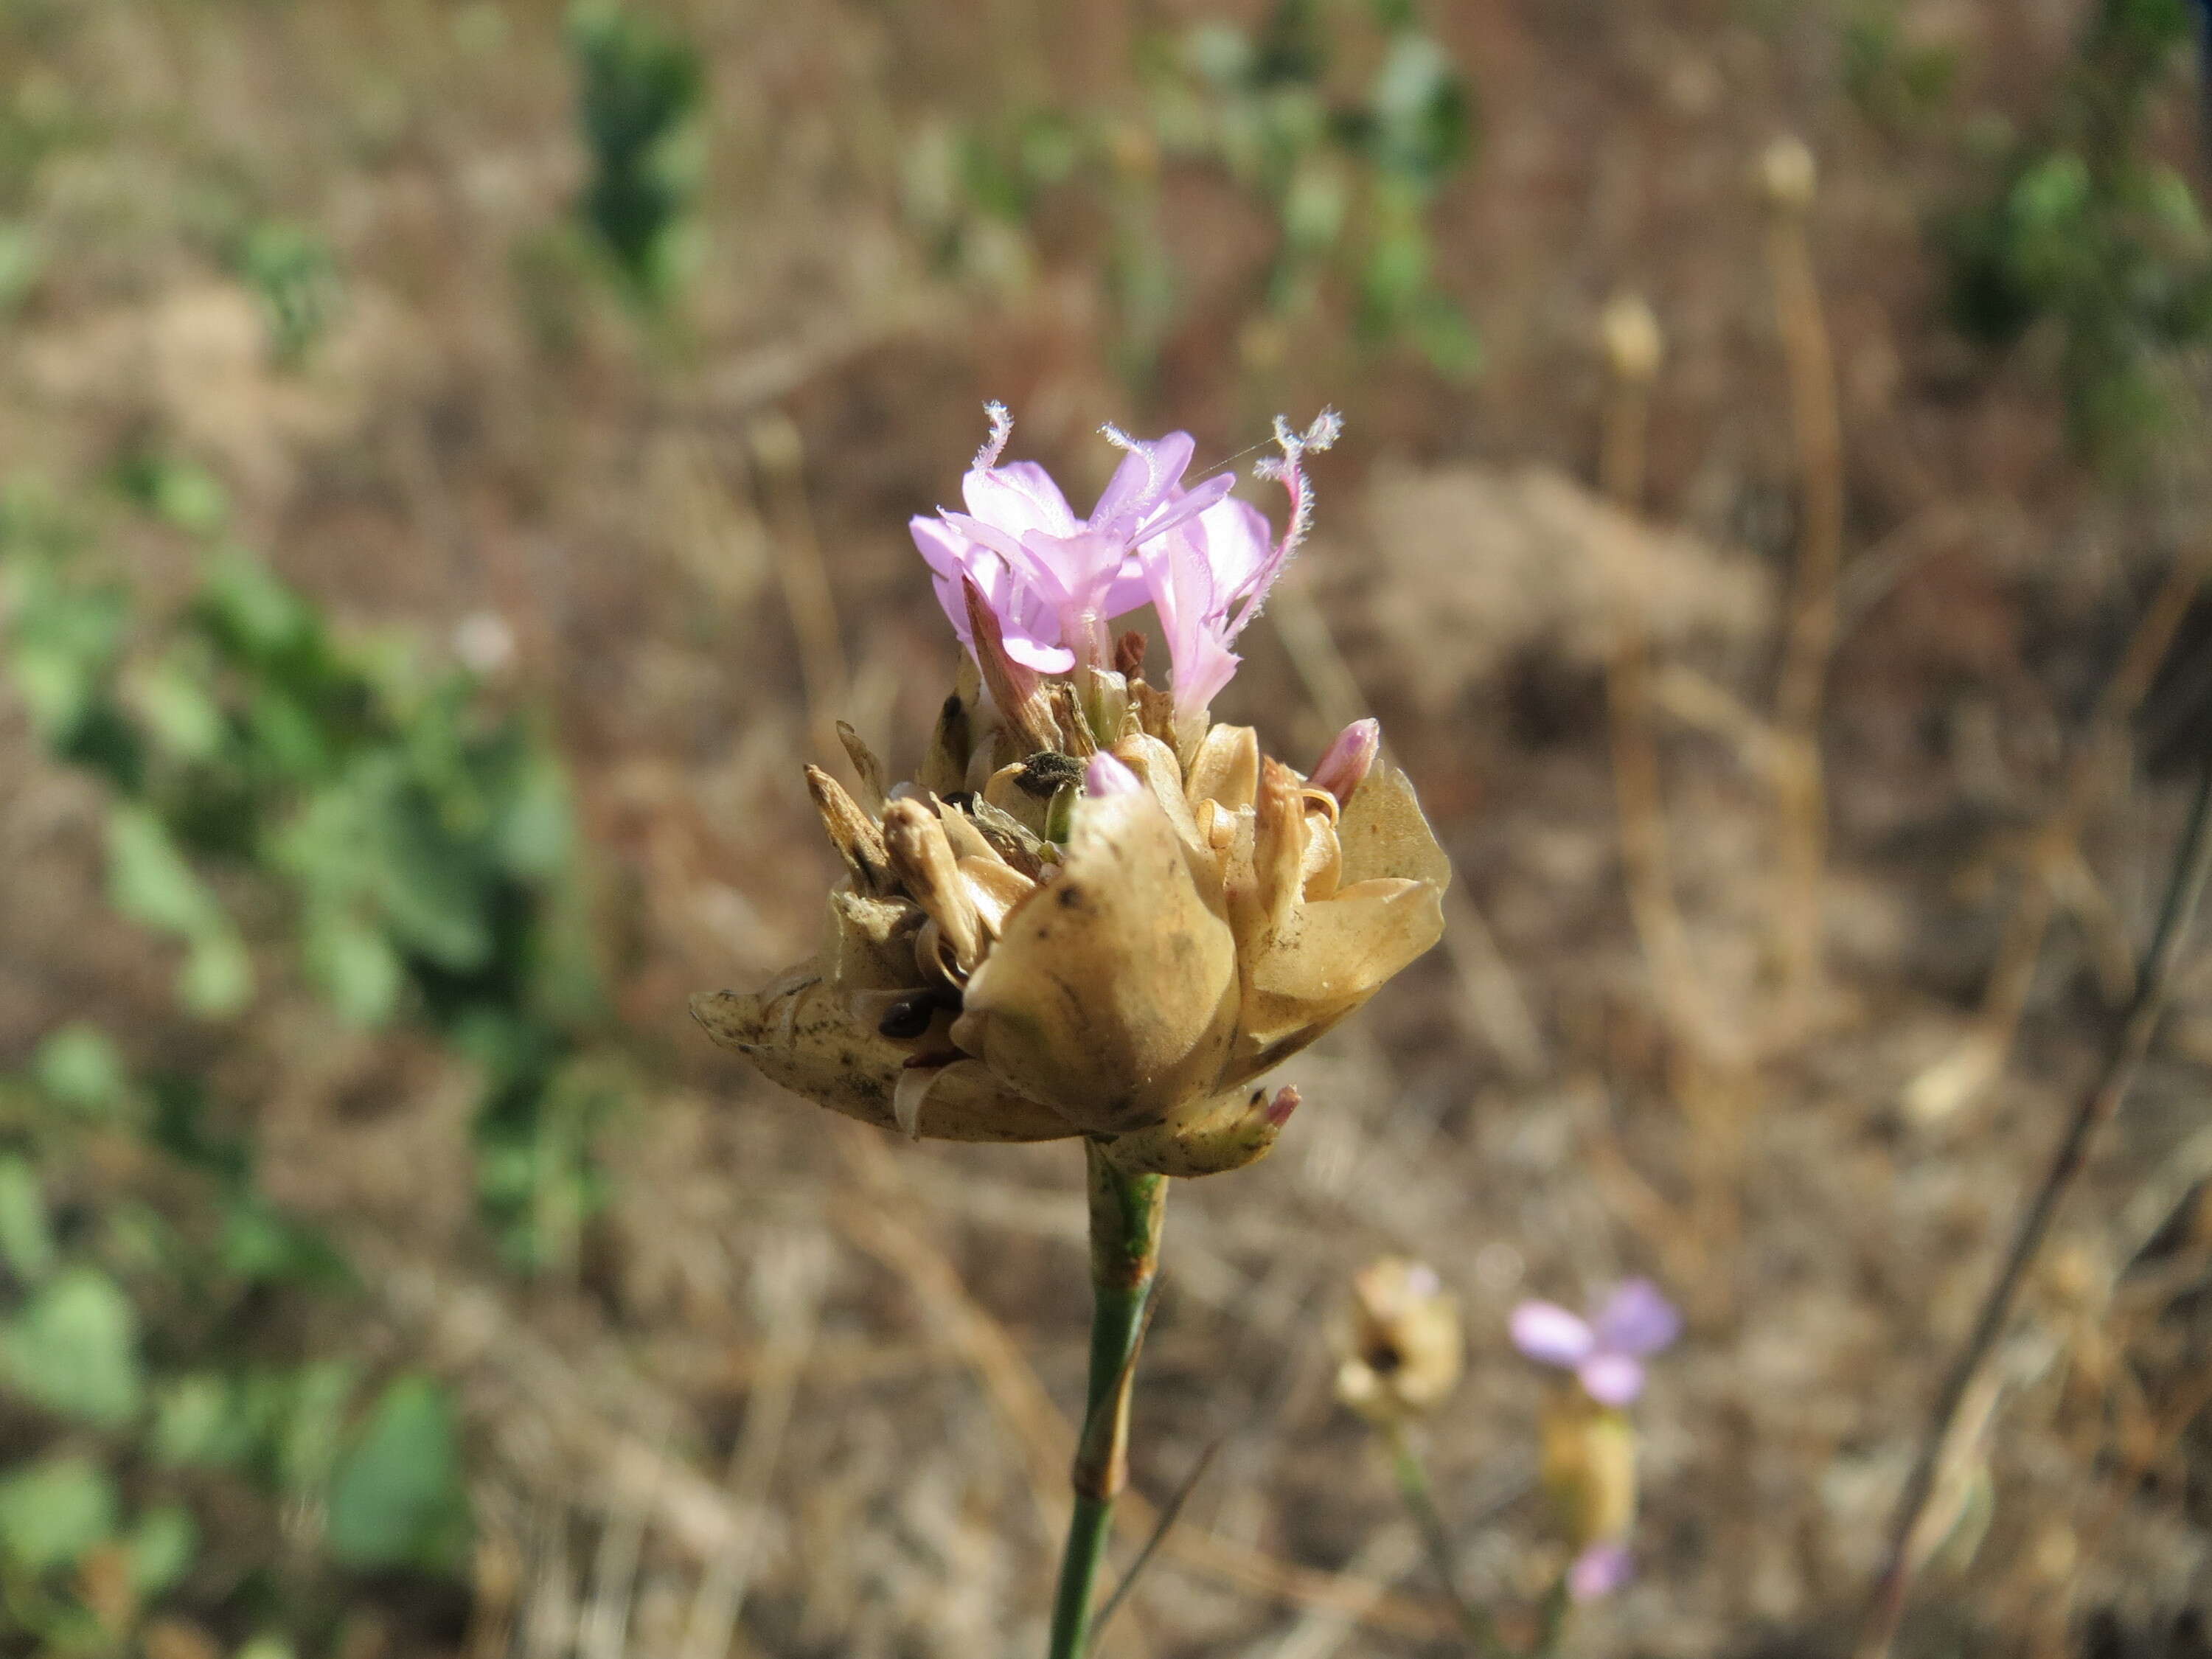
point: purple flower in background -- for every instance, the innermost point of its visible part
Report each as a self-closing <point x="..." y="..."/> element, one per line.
<point x="1208" y="578"/>
<point x="1606" y="1353"/>
<point x="1599" y="1570"/>
<point x="1052" y="579"/>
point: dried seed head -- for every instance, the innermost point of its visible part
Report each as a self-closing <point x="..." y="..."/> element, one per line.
<point x="1398" y="1346"/>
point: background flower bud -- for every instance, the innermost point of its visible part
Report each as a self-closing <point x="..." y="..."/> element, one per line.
<point x="1400" y="1346"/>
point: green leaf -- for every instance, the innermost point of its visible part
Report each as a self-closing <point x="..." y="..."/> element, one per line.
<point x="161" y="1547"/>
<point x="150" y="882"/>
<point x="353" y="962"/>
<point x="78" y="1066"/>
<point x="397" y="1500"/>
<point x="200" y="1420"/>
<point x="25" y="1238"/>
<point x="53" y="1512"/>
<point x="75" y="1349"/>
<point x="315" y="1416"/>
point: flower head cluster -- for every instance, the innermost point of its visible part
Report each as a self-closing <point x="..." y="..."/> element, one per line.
<point x="1588" y="1444"/>
<point x="1053" y="582"/>
<point x="1089" y="911"/>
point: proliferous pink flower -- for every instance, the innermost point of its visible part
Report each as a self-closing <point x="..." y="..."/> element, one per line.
<point x="1053" y="581"/>
<point x="1606" y="1353"/>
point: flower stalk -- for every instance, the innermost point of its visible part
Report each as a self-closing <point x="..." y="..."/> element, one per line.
<point x="1127" y="1213"/>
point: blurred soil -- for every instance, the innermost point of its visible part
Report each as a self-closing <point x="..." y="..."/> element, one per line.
<point x="884" y="1342"/>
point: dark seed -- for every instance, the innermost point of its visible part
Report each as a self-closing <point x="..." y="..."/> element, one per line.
<point x="909" y="1017"/>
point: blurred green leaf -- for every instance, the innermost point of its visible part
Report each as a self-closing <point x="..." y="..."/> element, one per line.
<point x="74" y="1349"/>
<point x="1422" y="113"/>
<point x="53" y="1512"/>
<point x="398" y="1499"/>
<point x="200" y="1419"/>
<point x="25" y="1238"/>
<point x="353" y="963"/>
<point x="150" y="882"/>
<point x="313" y="1423"/>
<point x="162" y="1544"/>
<point x="182" y="492"/>
<point x="78" y="1066"/>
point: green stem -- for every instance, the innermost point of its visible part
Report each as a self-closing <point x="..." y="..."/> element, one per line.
<point x="1126" y="1214"/>
<point x="1413" y="1485"/>
<point x="1551" y="1617"/>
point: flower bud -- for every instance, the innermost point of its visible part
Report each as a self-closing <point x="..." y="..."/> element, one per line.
<point x="1400" y="1348"/>
<point x="1588" y="1467"/>
<point x="1633" y="344"/>
<point x="1787" y="175"/>
<point x="1345" y="766"/>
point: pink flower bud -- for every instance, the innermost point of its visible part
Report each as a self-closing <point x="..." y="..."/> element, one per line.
<point x="1107" y="776"/>
<point x="1344" y="768"/>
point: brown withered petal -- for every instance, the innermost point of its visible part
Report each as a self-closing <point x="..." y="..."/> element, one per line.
<point x="852" y="832"/>
<point x="1111" y="995"/>
<point x="1023" y="701"/>
<point x="922" y="858"/>
<point x="1227" y="767"/>
<point x="866" y="768"/>
<point x="802" y="1033"/>
<point x="996" y="888"/>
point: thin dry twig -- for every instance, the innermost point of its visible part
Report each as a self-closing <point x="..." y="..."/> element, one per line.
<point x="2052" y="854"/>
<point x="2103" y="1102"/>
<point x="1802" y="799"/>
<point x="1169" y="1513"/>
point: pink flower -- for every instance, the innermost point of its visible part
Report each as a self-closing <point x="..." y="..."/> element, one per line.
<point x="1052" y="579"/>
<point x="1209" y="576"/>
<point x="1606" y="1353"/>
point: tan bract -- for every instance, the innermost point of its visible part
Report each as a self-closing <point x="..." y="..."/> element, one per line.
<point x="1131" y="982"/>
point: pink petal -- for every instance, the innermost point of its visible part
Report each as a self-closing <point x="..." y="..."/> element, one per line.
<point x="1611" y="1379"/>
<point x="1145" y="478"/>
<point x="1547" y="1332"/>
<point x="1106" y="775"/>
<point x="1599" y="1570"/>
<point x="1238" y="547"/>
<point x="1638" y="1320"/>
<point x="1017" y="498"/>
